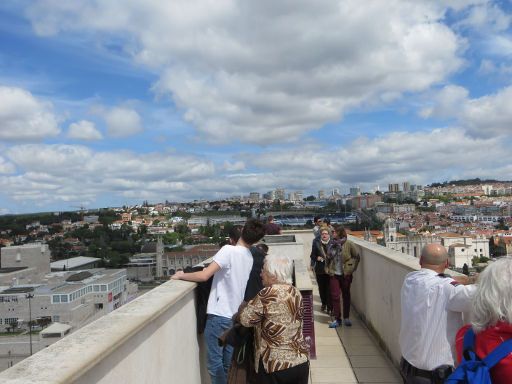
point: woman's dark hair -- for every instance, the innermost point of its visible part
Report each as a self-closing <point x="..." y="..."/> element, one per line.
<point x="253" y="231"/>
<point x="341" y="232"/>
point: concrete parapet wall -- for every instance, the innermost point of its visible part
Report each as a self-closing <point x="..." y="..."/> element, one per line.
<point x="153" y="339"/>
<point x="291" y="244"/>
<point x="376" y="292"/>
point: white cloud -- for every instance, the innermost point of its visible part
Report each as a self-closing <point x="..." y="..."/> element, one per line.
<point x="487" y="26"/>
<point x="486" y="17"/>
<point x="74" y="173"/>
<point x="484" y="116"/>
<point x="488" y="67"/>
<point x="446" y="103"/>
<point x="234" y="166"/>
<point x="489" y="115"/>
<point x="419" y="157"/>
<point x="84" y="130"/>
<point x="6" y="166"/>
<point x="25" y="118"/>
<point x="262" y="72"/>
<point x="459" y="5"/>
<point x="500" y="45"/>
<point x="122" y="122"/>
<point x="52" y="173"/>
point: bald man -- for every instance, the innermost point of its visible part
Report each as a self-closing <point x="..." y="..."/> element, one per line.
<point x="432" y="307"/>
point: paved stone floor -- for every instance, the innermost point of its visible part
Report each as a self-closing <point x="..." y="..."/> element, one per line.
<point x="348" y="354"/>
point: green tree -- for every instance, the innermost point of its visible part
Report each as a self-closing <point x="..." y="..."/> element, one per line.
<point x="276" y="205"/>
<point x="483" y="259"/>
<point x="226" y="228"/>
<point x="116" y="260"/>
<point x="183" y="214"/>
<point x="170" y="238"/>
<point x="82" y="233"/>
<point x="55" y="228"/>
<point x="475" y="260"/>
<point x="368" y="220"/>
<point x="142" y="230"/>
<point x="182" y="229"/>
<point x="107" y="217"/>
<point x="123" y="246"/>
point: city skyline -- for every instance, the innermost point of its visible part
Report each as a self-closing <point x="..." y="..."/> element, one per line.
<point x="113" y="103"/>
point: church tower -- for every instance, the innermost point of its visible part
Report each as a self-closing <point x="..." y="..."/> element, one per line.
<point x="390" y="231"/>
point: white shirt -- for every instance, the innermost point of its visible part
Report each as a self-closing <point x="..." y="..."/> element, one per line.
<point x="228" y="286"/>
<point x="432" y="308"/>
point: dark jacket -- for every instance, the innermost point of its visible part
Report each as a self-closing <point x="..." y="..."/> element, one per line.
<point x="202" y="292"/>
<point x="254" y="283"/>
<point x="318" y="249"/>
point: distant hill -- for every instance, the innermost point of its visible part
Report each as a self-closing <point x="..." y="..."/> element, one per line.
<point x="476" y="181"/>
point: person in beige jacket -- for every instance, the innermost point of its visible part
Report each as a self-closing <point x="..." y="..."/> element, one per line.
<point x="341" y="262"/>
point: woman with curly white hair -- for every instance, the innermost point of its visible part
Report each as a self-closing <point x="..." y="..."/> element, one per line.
<point x="492" y="317"/>
<point x="281" y="353"/>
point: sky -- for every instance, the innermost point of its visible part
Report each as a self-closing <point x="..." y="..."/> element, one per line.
<point x="110" y="103"/>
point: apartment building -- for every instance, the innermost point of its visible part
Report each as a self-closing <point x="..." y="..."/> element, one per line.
<point x="66" y="296"/>
<point x="72" y="297"/>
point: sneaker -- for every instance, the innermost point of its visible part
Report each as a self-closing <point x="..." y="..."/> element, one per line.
<point x="335" y="324"/>
<point x="347" y="322"/>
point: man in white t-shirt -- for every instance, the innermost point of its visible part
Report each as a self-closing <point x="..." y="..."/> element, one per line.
<point x="230" y="269"/>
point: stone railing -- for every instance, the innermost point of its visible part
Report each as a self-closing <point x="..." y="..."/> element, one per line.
<point x="376" y="292"/>
<point x="152" y="339"/>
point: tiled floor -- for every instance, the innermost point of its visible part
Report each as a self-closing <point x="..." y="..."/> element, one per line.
<point x="348" y="354"/>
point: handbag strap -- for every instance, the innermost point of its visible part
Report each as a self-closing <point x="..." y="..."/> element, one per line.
<point x="498" y="353"/>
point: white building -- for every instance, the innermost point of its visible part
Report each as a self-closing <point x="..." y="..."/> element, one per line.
<point x="71" y="297"/>
<point x="462" y="249"/>
<point x="411" y="244"/>
<point x="75" y="263"/>
<point x="26" y="263"/>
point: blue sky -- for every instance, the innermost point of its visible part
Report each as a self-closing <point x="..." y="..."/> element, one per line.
<point x="106" y="103"/>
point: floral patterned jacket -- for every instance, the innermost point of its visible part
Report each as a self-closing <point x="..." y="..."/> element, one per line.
<point x="277" y="313"/>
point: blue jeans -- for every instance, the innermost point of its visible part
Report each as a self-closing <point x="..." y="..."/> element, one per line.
<point x="219" y="358"/>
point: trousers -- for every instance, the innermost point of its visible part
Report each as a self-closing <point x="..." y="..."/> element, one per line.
<point x="341" y="284"/>
<point x="294" y="375"/>
<point x="218" y="357"/>
<point x="323" y="288"/>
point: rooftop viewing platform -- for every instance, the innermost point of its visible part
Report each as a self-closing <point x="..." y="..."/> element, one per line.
<point x="153" y="339"/>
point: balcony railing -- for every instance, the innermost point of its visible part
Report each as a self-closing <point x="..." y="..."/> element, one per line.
<point x="153" y="339"/>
